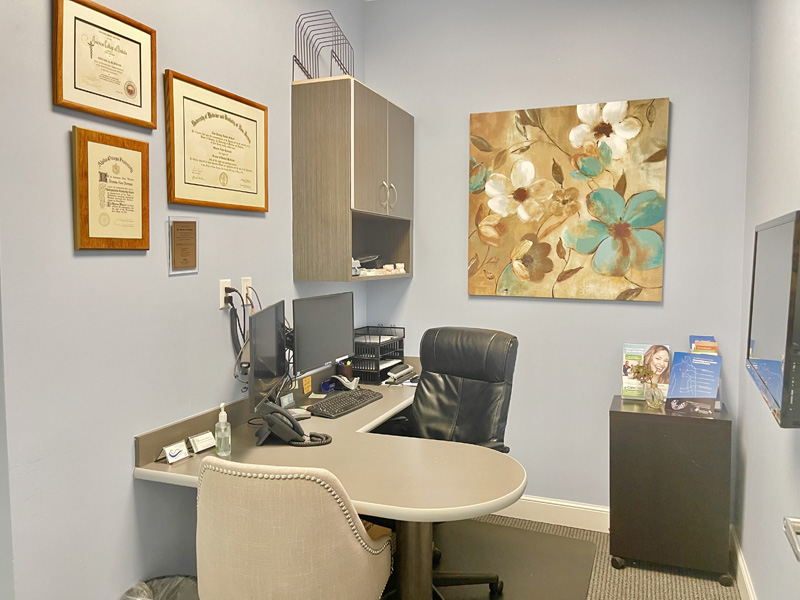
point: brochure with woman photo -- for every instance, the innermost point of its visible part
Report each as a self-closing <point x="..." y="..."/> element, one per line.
<point x="655" y="356"/>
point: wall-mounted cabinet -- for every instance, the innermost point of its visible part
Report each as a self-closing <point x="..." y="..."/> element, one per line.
<point x="352" y="179"/>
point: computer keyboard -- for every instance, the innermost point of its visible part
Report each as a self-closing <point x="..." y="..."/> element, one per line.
<point x="343" y="402"/>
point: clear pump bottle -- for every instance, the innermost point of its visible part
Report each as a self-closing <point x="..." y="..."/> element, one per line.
<point x="223" y="434"/>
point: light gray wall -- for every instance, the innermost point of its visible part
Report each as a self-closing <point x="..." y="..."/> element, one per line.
<point x="101" y="346"/>
<point x="769" y="462"/>
<point x="442" y="61"/>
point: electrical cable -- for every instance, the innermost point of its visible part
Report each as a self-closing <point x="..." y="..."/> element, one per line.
<point x="250" y="287"/>
<point x="242" y="326"/>
<point x="237" y="363"/>
<point x="235" y="329"/>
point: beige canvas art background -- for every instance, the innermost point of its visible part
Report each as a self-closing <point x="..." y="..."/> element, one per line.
<point x="569" y="202"/>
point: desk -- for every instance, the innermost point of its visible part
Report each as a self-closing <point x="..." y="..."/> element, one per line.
<point x="414" y="481"/>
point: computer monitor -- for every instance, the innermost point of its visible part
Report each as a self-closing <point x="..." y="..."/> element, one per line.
<point x="267" y="353"/>
<point x="323" y="330"/>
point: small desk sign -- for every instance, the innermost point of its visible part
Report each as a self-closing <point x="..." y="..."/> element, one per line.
<point x="202" y="441"/>
<point x="176" y="452"/>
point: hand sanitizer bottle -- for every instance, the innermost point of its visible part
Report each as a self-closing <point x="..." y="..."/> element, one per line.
<point x="223" y="434"/>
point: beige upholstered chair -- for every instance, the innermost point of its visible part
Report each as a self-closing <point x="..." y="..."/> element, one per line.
<point x="267" y="532"/>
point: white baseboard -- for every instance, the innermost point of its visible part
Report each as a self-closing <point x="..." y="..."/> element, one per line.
<point x="597" y="518"/>
<point x="743" y="581"/>
<point x="560" y="512"/>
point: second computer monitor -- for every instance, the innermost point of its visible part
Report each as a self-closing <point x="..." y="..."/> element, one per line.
<point x="323" y="330"/>
<point x="268" y="364"/>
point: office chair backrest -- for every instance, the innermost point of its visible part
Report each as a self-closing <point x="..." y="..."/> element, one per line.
<point x="464" y="389"/>
<point x="267" y="532"/>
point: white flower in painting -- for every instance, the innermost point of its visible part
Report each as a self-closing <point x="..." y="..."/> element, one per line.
<point x="611" y="125"/>
<point x="520" y="194"/>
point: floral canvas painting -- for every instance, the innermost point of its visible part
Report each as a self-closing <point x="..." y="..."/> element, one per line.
<point x="569" y="202"/>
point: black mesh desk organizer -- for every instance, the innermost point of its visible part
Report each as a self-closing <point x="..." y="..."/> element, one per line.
<point x="377" y="349"/>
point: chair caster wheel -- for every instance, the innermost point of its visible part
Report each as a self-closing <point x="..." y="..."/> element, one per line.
<point x="617" y="562"/>
<point x="726" y="580"/>
<point x="495" y="590"/>
<point x="437" y="556"/>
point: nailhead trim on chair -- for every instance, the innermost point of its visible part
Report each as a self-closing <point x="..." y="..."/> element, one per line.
<point x="311" y="478"/>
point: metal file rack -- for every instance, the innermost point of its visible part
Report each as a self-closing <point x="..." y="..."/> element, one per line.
<point x="315" y="32"/>
<point x="378" y="349"/>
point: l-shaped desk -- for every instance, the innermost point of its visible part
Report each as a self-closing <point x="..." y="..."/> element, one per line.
<point x="414" y="481"/>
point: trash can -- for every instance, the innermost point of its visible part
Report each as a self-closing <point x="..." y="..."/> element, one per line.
<point x="175" y="587"/>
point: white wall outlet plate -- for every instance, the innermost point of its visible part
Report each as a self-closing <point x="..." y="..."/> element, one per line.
<point x="223" y="283"/>
<point x="247" y="282"/>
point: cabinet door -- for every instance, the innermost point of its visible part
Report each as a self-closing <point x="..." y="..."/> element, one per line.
<point x="369" y="151"/>
<point x="401" y="162"/>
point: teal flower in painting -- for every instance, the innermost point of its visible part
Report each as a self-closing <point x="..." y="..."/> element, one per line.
<point x="618" y="238"/>
<point x="477" y="176"/>
<point x="590" y="164"/>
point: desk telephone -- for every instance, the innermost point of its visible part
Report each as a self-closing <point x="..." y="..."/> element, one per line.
<point x="279" y="421"/>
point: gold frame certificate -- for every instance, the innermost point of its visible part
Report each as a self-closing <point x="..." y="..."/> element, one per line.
<point x="104" y="63"/>
<point x="216" y="146"/>
<point x="111" y="191"/>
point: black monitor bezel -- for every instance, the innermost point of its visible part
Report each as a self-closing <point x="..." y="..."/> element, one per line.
<point x="298" y="360"/>
<point x="255" y="396"/>
<point x="787" y="414"/>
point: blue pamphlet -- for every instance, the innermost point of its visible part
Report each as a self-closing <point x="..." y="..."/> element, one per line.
<point x="694" y="383"/>
<point x="694" y="375"/>
<point x="701" y="338"/>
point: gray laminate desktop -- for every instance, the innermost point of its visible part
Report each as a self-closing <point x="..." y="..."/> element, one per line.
<point x="414" y="481"/>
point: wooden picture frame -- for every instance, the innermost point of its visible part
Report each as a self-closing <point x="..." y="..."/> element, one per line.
<point x="111" y="191"/>
<point x="183" y="234"/>
<point x="216" y="146"/>
<point x="104" y="63"/>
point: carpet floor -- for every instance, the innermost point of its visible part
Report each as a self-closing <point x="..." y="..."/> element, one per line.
<point x="533" y="565"/>
<point x="639" y="581"/>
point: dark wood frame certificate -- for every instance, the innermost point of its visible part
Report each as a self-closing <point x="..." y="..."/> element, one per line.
<point x="216" y="146"/>
<point x="183" y="243"/>
<point x="111" y="181"/>
<point x="104" y="63"/>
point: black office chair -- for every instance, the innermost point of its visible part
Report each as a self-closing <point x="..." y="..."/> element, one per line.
<point x="463" y="395"/>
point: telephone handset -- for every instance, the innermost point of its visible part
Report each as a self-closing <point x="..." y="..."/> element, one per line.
<point x="278" y="421"/>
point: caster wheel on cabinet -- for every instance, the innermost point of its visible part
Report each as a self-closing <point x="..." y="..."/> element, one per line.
<point x="617" y="562"/>
<point x="726" y="580"/>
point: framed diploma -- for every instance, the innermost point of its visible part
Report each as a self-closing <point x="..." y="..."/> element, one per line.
<point x="111" y="181"/>
<point x="216" y="146"/>
<point x="104" y="63"/>
<point x="183" y="245"/>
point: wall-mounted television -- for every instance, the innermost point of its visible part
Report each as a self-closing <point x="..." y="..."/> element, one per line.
<point x="773" y="341"/>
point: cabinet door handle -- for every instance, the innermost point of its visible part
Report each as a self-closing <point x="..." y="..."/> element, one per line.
<point x="395" y="196"/>
<point x="386" y="201"/>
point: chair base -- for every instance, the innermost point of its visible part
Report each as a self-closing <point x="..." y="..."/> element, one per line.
<point x="450" y="578"/>
<point x="495" y="588"/>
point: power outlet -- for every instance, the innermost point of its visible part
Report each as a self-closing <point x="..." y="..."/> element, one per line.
<point x="223" y="283"/>
<point x="247" y="283"/>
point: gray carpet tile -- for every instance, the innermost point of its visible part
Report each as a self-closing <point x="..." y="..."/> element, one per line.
<point x="643" y="581"/>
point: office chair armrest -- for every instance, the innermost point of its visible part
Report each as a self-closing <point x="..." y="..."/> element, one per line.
<point x="499" y="446"/>
<point x="397" y="425"/>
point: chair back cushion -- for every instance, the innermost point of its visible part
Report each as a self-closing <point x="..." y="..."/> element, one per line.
<point x="464" y="389"/>
<point x="266" y="532"/>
